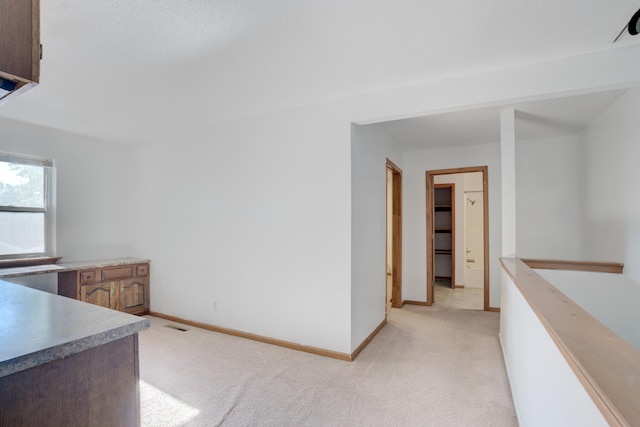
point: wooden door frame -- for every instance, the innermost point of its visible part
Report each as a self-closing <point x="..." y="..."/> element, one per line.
<point x="429" y="175"/>
<point x="396" y="235"/>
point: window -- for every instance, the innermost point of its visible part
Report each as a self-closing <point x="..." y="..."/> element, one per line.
<point x="26" y="206"/>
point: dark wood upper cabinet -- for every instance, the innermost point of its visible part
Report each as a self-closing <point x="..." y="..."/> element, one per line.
<point x="19" y="46"/>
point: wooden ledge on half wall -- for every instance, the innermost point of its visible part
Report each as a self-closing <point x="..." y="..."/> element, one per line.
<point x="605" y="364"/>
<point x="594" y="266"/>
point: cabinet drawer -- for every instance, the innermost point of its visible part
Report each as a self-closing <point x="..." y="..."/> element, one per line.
<point x="117" y="273"/>
<point x="142" y="270"/>
<point x="88" y="276"/>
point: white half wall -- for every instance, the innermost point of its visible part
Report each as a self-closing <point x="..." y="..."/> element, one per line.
<point x="370" y="149"/>
<point x="416" y="163"/>
<point x="545" y="390"/>
<point x="549" y="193"/>
<point x="43" y="282"/>
<point x="612" y="205"/>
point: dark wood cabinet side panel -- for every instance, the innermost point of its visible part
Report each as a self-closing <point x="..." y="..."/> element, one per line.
<point x="36" y="47"/>
<point x="68" y="284"/>
<point x="19" y="38"/>
<point x="96" y="387"/>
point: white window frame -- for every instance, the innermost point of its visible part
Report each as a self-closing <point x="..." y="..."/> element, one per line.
<point x="49" y="177"/>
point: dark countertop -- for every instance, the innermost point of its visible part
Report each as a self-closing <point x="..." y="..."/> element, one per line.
<point x="38" y="327"/>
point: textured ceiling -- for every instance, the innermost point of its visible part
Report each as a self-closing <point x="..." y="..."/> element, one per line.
<point x="534" y="120"/>
<point x="127" y="71"/>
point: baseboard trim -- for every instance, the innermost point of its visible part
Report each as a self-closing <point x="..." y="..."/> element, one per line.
<point x="368" y="339"/>
<point x="459" y="286"/>
<point x="260" y="338"/>
<point x="412" y="302"/>
<point x="424" y="303"/>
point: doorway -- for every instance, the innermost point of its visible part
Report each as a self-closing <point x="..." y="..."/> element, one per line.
<point x="444" y="238"/>
<point x="393" y="294"/>
<point x="472" y="217"/>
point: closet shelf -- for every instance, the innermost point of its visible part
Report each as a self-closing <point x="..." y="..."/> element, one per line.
<point x="443" y="226"/>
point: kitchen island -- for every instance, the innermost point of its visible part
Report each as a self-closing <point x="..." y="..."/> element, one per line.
<point x="65" y="362"/>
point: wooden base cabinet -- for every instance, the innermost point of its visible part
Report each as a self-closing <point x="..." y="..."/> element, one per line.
<point x="123" y="288"/>
<point x="96" y="387"/>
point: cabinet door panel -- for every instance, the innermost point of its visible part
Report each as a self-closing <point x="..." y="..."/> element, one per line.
<point x="102" y="294"/>
<point x="134" y="294"/>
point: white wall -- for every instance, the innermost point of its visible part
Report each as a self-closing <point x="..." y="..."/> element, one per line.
<point x="473" y="181"/>
<point x="93" y="189"/>
<point x="508" y="181"/>
<point x="610" y="298"/>
<point x="370" y="149"/>
<point x="248" y="226"/>
<point x="255" y="217"/>
<point x="545" y="390"/>
<point x="473" y="276"/>
<point x="416" y="163"/>
<point x="612" y="208"/>
<point x="605" y="70"/>
<point x="549" y="191"/>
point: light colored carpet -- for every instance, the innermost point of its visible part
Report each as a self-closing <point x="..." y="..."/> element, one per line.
<point x="465" y="298"/>
<point x="428" y="366"/>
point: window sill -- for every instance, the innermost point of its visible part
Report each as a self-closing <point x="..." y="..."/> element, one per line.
<point x="28" y="262"/>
